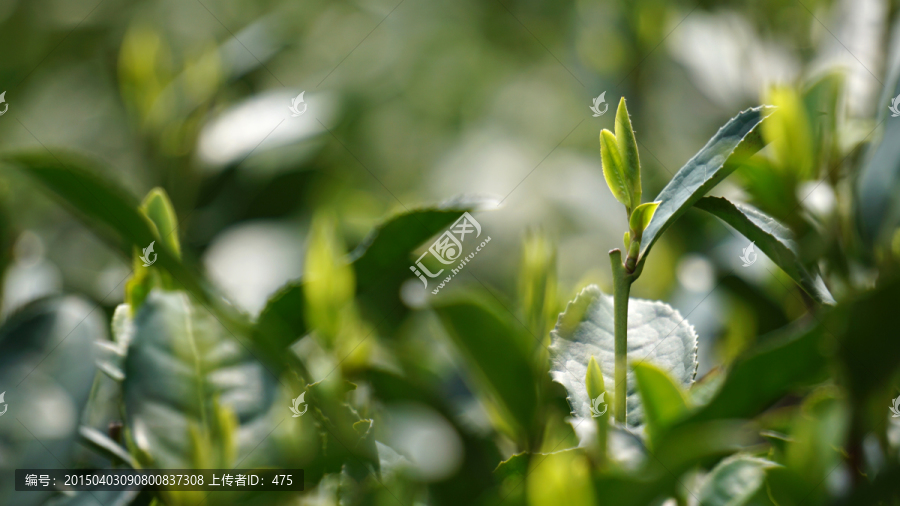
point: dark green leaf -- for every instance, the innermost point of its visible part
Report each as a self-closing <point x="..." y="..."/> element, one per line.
<point x="773" y="238"/>
<point x="499" y="349"/>
<point x="878" y="210"/>
<point x="108" y="209"/>
<point x="757" y="381"/>
<point x="738" y="139"/>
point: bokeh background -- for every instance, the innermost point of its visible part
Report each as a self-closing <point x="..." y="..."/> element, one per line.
<point x="415" y="102"/>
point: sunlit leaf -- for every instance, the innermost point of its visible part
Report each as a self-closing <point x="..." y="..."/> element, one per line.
<point x="628" y="151"/>
<point x="641" y="216"/>
<point x="663" y="400"/>
<point x="735" y="141"/>
<point x="614" y="170"/>
<point x="657" y="334"/>
<point x="560" y="478"/>
<point x="330" y="282"/>
<point x="790" y="133"/>
<point x="159" y="209"/>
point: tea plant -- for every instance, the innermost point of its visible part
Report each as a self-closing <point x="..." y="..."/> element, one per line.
<point x="604" y="408"/>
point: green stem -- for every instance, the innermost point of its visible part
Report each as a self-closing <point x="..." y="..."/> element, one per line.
<point x="621" y="289"/>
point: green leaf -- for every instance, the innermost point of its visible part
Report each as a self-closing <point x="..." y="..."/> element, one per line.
<point x="593" y="380"/>
<point x="628" y="151"/>
<point x="614" y="170"/>
<point x="537" y="283"/>
<point x="183" y="368"/>
<point x="330" y="283"/>
<point x="790" y="133"/>
<point x="680" y="450"/>
<point x="158" y="208"/>
<point x="560" y="478"/>
<point x="641" y="217"/>
<point x="735" y="481"/>
<point x="773" y="238"/>
<point x="819" y="431"/>
<point x="626" y="240"/>
<point x="515" y="465"/>
<point x="756" y="381"/>
<point x="735" y="141"/>
<point x="656" y="334"/>
<point x="663" y="400"/>
<point x="381" y="264"/>
<point x="102" y="444"/>
<point x="499" y="349"/>
<point x="109" y="211"/>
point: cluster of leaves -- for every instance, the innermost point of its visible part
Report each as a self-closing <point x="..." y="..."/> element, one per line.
<point x="196" y="384"/>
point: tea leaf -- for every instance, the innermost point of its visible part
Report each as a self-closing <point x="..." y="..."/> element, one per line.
<point x="182" y="364"/>
<point x="628" y="151"/>
<point x="738" y="139"/>
<point x="641" y="217"/>
<point x="614" y="170"/>
<point x="773" y="238"/>
<point x="734" y="481"/>
<point x="656" y="334"/>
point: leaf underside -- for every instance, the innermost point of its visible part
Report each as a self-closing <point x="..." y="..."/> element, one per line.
<point x="656" y="334"/>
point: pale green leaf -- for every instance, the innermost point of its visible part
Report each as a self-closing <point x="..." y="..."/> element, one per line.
<point x="641" y="216"/>
<point x="663" y="400"/>
<point x="656" y="334"/>
<point x="613" y="170"/>
<point x="329" y="281"/>
<point x="159" y="209"/>
<point x="628" y="151"/>
<point x="593" y="380"/>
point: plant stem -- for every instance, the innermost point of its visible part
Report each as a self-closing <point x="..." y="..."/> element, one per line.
<point x="621" y="289"/>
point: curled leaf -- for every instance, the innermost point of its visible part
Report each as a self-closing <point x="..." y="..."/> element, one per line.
<point x="641" y="217"/>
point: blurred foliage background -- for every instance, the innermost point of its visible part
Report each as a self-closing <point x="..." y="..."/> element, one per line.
<point x="412" y="104"/>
